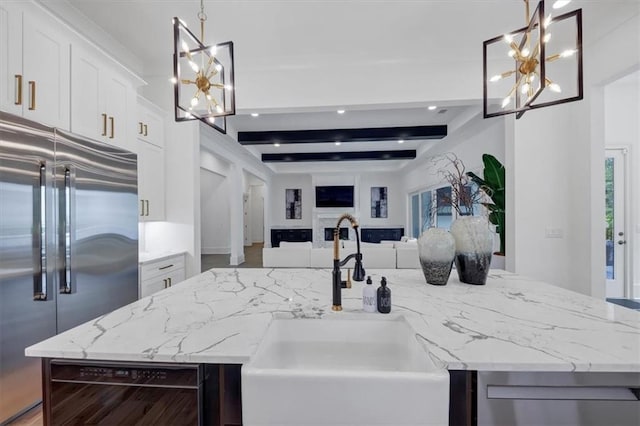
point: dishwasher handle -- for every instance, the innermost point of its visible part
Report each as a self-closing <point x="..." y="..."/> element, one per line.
<point x="573" y="393"/>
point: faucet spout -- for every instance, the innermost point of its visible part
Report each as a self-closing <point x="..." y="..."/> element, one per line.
<point x="358" y="270"/>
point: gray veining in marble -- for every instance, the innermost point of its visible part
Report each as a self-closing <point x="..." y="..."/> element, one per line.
<point x="510" y="324"/>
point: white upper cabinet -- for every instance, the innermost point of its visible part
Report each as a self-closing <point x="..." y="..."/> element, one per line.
<point x="149" y="125"/>
<point x="34" y="64"/>
<point x="101" y="99"/>
<point x="151" y="167"/>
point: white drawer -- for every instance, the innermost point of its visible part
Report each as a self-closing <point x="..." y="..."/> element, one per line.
<point x="152" y="285"/>
<point x="161" y="267"/>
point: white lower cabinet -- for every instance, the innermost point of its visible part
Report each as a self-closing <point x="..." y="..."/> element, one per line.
<point x="160" y="274"/>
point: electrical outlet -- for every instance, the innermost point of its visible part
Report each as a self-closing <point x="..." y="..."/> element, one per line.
<point x="553" y="233"/>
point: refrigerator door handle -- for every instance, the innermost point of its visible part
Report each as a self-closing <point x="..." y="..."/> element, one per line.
<point x="65" y="288"/>
<point x="40" y="279"/>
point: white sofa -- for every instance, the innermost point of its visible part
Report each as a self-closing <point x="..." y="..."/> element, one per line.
<point x="384" y="255"/>
<point x="288" y="255"/>
<point x="374" y="256"/>
<point x="407" y="254"/>
<point x="378" y="256"/>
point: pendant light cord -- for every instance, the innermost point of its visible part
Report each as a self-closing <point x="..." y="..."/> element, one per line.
<point x="203" y="17"/>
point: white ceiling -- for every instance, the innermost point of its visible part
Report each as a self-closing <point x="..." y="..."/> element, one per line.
<point x="330" y="44"/>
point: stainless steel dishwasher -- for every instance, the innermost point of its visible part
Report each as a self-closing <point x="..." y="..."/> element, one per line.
<point x="117" y="393"/>
<point x="554" y="399"/>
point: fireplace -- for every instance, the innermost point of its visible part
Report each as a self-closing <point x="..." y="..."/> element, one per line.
<point x="328" y="234"/>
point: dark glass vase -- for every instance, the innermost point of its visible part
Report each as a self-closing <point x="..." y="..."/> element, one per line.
<point x="474" y="245"/>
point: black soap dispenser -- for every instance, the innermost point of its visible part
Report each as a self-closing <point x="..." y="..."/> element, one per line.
<point x="384" y="297"/>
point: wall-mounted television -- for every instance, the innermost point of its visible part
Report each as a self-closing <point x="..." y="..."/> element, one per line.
<point x="334" y="196"/>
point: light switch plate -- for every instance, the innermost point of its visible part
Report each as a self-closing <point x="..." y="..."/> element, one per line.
<point x="553" y="233"/>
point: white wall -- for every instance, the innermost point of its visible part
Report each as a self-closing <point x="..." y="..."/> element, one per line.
<point x="395" y="200"/>
<point x="362" y="197"/>
<point x="257" y="213"/>
<point x="181" y="231"/>
<point x="243" y="167"/>
<point x="622" y="129"/>
<point x="468" y="144"/>
<point x="214" y="213"/>
<point x="559" y="173"/>
<point x="276" y="190"/>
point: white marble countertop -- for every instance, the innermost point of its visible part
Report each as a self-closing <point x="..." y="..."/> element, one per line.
<point x="510" y="324"/>
<point x="150" y="256"/>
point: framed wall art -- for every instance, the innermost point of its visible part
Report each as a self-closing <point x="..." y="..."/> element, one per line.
<point x="293" y="203"/>
<point x="379" y="203"/>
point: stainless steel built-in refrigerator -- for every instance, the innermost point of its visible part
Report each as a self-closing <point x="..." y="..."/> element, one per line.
<point x="68" y="243"/>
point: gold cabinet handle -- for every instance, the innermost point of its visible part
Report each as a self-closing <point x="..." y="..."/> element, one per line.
<point x="147" y="201"/>
<point x="141" y="207"/>
<point x="169" y="281"/>
<point x="165" y="283"/>
<point x="140" y="132"/>
<point x="104" y="124"/>
<point x="112" y="122"/>
<point x="32" y="97"/>
<point x="145" y="130"/>
<point x="18" y="99"/>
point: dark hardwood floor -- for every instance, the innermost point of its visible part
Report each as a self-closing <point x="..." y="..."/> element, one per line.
<point x="252" y="259"/>
<point x="32" y="417"/>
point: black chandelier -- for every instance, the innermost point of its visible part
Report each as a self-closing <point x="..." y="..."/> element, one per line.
<point x="519" y="70"/>
<point x="202" y="76"/>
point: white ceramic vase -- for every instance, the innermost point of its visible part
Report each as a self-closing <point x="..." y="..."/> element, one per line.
<point x="474" y="245"/>
<point x="436" y="251"/>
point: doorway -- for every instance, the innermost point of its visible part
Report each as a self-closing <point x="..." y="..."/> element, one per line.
<point x="616" y="224"/>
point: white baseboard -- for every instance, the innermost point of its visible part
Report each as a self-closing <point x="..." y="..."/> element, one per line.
<point x="236" y="261"/>
<point x="216" y="250"/>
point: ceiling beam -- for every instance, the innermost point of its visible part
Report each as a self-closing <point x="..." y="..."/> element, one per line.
<point x="407" y="154"/>
<point x="342" y="135"/>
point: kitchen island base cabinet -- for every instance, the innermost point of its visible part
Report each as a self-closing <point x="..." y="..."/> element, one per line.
<point x="78" y="392"/>
<point x="558" y="398"/>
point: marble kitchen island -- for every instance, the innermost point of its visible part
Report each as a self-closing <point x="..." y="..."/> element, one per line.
<point x="512" y="324"/>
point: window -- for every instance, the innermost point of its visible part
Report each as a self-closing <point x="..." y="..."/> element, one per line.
<point x="444" y="210"/>
<point x="434" y="207"/>
<point x="426" y="205"/>
<point x="415" y="215"/>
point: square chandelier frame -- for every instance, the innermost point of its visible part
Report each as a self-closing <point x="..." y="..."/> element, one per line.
<point x="225" y="75"/>
<point x="529" y="103"/>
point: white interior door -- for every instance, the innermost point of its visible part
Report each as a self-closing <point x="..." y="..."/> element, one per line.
<point x="616" y="234"/>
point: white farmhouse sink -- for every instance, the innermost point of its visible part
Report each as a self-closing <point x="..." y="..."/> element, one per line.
<point x="343" y="372"/>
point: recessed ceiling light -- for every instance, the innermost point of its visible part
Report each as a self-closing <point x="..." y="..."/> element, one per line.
<point x="255" y="114"/>
<point x="340" y="111"/>
<point x="338" y="143"/>
<point x="432" y="107"/>
<point x="401" y="141"/>
<point x="276" y="144"/>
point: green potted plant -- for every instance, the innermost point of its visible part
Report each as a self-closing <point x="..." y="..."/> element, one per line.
<point x="492" y="184"/>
